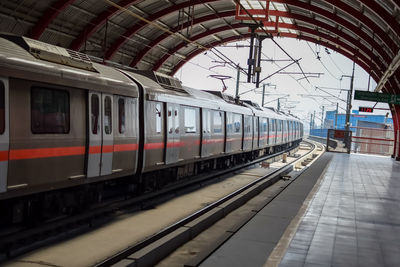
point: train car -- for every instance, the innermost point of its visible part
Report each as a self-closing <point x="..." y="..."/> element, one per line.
<point x="71" y="129"/>
<point x="62" y="123"/>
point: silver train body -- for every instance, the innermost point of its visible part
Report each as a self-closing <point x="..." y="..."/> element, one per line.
<point x="66" y="121"/>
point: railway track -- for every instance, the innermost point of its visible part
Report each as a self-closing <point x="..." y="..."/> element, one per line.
<point x="155" y="248"/>
<point x="19" y="241"/>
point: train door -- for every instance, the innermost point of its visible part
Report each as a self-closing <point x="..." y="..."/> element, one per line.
<point x="173" y="135"/>
<point x="286" y="131"/>
<point x="256" y="132"/>
<point x="206" y="132"/>
<point x="4" y="134"/>
<point x="229" y="131"/>
<point x="101" y="141"/>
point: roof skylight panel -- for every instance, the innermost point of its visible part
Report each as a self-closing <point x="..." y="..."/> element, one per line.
<point x="280" y="6"/>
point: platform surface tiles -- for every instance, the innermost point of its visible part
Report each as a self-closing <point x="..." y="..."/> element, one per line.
<point x="352" y="219"/>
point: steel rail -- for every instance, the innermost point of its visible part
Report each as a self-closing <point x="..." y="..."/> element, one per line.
<point x="10" y="244"/>
<point x="134" y="248"/>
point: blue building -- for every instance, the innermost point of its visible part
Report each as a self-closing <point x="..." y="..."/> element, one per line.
<point x="330" y="119"/>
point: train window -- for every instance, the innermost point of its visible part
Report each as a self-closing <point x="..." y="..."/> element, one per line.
<point x="49" y="111"/>
<point x="273" y="126"/>
<point x="217" y="122"/>
<point x="247" y="124"/>
<point x="229" y="122"/>
<point x="2" y="108"/>
<point x="94" y="116"/>
<point x="107" y="115"/>
<point x="190" y="120"/>
<point x="264" y="126"/>
<point x="158" y="117"/>
<point x="121" y="115"/>
<point x="237" y="122"/>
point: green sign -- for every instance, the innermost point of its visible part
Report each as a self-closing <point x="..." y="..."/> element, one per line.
<point x="377" y="97"/>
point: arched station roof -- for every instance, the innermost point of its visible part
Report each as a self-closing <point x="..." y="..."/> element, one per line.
<point x="164" y="34"/>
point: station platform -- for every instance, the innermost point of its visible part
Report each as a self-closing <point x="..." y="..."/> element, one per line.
<point x="348" y="216"/>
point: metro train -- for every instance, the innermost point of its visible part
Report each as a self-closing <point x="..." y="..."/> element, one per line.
<point x="73" y="130"/>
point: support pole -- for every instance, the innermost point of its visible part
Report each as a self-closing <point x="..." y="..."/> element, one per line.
<point x="313" y="122"/>
<point x="237" y="81"/>
<point x="258" y="67"/>
<point x="279" y="104"/>
<point x="322" y="118"/>
<point x="336" y="116"/>
<point x="250" y="61"/>
<point x="349" y="98"/>
<point x="263" y="96"/>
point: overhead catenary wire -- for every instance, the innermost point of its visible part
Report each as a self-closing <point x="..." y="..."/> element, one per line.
<point x="271" y="37"/>
<point x="334" y="63"/>
<point x="197" y="45"/>
<point x="323" y="65"/>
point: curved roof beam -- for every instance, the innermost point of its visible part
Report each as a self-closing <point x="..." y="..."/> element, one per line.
<point x="48" y="16"/>
<point x="97" y="22"/>
<point x="379" y="11"/>
<point x="374" y="62"/>
<point x="377" y="47"/>
<point x="138" y="26"/>
<point x="350" y="10"/>
<point x="374" y="59"/>
<point x="163" y="36"/>
<point x="320" y="24"/>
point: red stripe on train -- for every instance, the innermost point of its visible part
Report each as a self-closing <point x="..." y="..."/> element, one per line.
<point x="125" y="147"/>
<point x="4" y="155"/>
<point x="36" y="153"/>
<point x="108" y="149"/>
<point x="150" y="146"/>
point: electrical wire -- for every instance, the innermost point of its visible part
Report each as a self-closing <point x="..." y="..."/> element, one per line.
<point x="323" y="65"/>
<point x="271" y="37"/>
<point x="334" y="63"/>
<point x="226" y="59"/>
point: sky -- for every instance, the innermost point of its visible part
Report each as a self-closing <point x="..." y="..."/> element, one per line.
<point x="296" y="93"/>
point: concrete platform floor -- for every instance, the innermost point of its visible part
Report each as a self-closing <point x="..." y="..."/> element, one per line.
<point x="350" y="218"/>
<point x="354" y="218"/>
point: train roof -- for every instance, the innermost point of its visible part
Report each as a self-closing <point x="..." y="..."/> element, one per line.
<point x="26" y="58"/>
<point x="183" y="95"/>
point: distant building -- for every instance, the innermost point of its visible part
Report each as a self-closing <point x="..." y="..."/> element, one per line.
<point x="355" y="119"/>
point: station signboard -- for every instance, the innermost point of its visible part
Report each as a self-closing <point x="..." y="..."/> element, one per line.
<point x="377" y="97"/>
<point x="366" y="109"/>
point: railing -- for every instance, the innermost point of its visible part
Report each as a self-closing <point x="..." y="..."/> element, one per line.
<point x="373" y="141"/>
